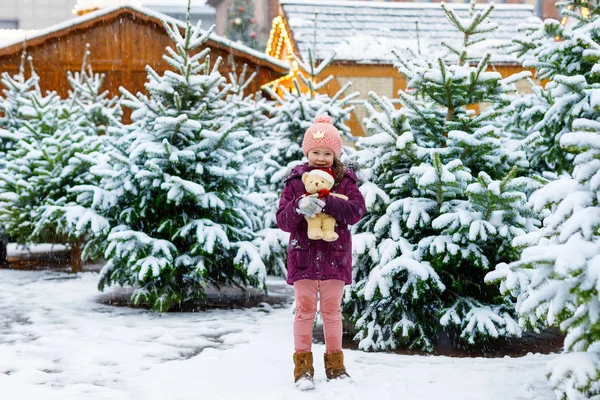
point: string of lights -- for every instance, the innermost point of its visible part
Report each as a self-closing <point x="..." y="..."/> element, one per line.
<point x="279" y="30"/>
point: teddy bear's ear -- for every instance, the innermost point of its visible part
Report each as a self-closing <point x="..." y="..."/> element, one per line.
<point x="304" y="177"/>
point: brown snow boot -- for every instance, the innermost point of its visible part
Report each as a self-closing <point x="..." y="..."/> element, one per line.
<point x="334" y="366"/>
<point x="304" y="371"/>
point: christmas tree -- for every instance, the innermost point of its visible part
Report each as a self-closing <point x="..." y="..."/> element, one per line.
<point x="13" y="106"/>
<point x="561" y="55"/>
<point x="444" y="202"/>
<point x="25" y="180"/>
<point x="59" y="144"/>
<point x="252" y="111"/>
<point x="171" y="186"/>
<point x="78" y="147"/>
<point x="242" y="27"/>
<point x="12" y="109"/>
<point x="93" y="104"/>
<point x="520" y="120"/>
<point x="556" y="280"/>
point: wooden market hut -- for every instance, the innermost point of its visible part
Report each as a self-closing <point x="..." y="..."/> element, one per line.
<point x="364" y="35"/>
<point x="123" y="40"/>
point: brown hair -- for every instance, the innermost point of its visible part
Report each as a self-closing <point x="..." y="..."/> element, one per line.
<point x="338" y="169"/>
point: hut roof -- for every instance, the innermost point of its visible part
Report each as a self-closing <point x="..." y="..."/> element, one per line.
<point x="104" y="15"/>
<point x="367" y="32"/>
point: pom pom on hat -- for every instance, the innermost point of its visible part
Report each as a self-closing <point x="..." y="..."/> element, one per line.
<point x="323" y="118"/>
<point x="322" y="134"/>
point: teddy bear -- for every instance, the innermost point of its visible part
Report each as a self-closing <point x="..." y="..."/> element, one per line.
<point x="321" y="226"/>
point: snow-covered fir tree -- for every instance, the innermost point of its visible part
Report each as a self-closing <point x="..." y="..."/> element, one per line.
<point x="444" y="202"/>
<point x="560" y="54"/>
<point x="292" y="112"/>
<point x="241" y="26"/>
<point x="13" y="106"/>
<point x="520" y="118"/>
<point x="23" y="188"/>
<point x="556" y="281"/>
<point x="94" y="104"/>
<point x="13" y="109"/>
<point x="250" y="112"/>
<point x="58" y="145"/>
<point x="77" y="148"/>
<point x="171" y="185"/>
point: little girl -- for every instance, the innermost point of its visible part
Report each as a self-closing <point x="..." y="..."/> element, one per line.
<point x="318" y="266"/>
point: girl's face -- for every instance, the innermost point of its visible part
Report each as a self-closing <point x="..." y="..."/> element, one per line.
<point x="320" y="157"/>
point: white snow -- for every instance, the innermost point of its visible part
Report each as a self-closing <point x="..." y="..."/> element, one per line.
<point x="57" y="341"/>
<point x="13" y="249"/>
<point x="84" y="5"/>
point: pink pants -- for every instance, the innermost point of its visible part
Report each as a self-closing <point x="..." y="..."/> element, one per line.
<point x="331" y="292"/>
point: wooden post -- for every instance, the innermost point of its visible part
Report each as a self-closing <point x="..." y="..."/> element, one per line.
<point x="76" y="263"/>
<point x="3" y="252"/>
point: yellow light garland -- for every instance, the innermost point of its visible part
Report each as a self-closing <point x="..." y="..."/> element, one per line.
<point x="585" y="12"/>
<point x="279" y="29"/>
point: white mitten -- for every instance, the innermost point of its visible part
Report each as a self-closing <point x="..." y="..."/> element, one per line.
<point x="310" y="205"/>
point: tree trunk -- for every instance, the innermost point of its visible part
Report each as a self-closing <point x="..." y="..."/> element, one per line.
<point x="3" y="252"/>
<point x="76" y="263"/>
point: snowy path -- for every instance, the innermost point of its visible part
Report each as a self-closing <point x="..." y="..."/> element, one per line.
<point x="58" y="342"/>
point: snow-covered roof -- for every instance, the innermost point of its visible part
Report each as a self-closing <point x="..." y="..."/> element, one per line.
<point x="367" y="32"/>
<point x="99" y="14"/>
<point x="87" y="5"/>
<point x="8" y="36"/>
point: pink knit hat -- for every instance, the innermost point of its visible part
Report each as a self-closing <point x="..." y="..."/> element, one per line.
<point x="322" y="134"/>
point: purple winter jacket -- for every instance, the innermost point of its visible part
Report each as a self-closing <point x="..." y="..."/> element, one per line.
<point x="318" y="259"/>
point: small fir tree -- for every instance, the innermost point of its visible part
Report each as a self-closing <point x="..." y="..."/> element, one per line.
<point x="564" y="56"/>
<point x="556" y="280"/>
<point x="443" y="205"/>
<point x="16" y="93"/>
<point x="242" y="27"/>
<point x="25" y="180"/>
<point x="520" y="117"/>
<point x="59" y="146"/>
<point x="252" y="111"/>
<point x="12" y="107"/>
<point x="171" y="186"/>
<point x="98" y="110"/>
<point x="249" y="109"/>
<point x="77" y="148"/>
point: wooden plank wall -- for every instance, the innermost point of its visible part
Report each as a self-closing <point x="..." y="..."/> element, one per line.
<point x="120" y="48"/>
<point x="357" y="71"/>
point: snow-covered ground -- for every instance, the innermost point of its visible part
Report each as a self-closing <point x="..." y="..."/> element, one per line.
<point x="57" y="341"/>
